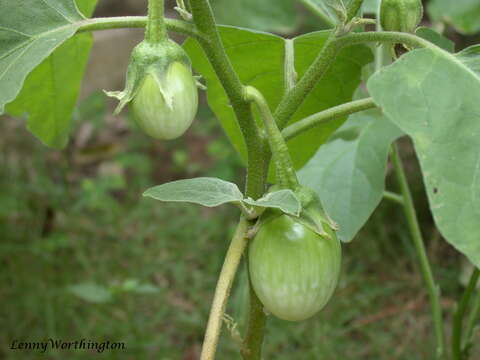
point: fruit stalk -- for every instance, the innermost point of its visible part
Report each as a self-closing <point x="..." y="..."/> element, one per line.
<point x="156" y="30"/>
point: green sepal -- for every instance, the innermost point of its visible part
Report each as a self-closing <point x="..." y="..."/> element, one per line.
<point x="148" y="58"/>
<point x="312" y="215"/>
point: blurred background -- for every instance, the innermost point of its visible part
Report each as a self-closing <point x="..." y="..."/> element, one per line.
<point x="83" y="255"/>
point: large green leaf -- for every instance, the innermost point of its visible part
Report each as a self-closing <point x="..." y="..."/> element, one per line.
<point x="259" y="60"/>
<point x="434" y="97"/>
<point x="36" y="34"/>
<point x="330" y="8"/>
<point x="348" y="172"/>
<point x="464" y="15"/>
<point x="370" y="6"/>
<point x="266" y="15"/>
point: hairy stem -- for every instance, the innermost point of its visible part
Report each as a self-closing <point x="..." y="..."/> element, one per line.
<point x="330" y="114"/>
<point x="294" y="98"/>
<point x="213" y="47"/>
<point x="417" y="238"/>
<point x="286" y="176"/>
<point x="256" y="147"/>
<point x="156" y="30"/>
<point x="257" y="320"/>
<point x="224" y="284"/>
<point x="459" y="314"/>
<point x="121" y="22"/>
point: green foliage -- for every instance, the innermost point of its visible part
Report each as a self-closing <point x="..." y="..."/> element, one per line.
<point x="213" y="192"/>
<point x="464" y="15"/>
<point x="371" y="6"/>
<point x="435" y="38"/>
<point x="266" y="15"/>
<point x="50" y="91"/>
<point x="435" y="101"/>
<point x="284" y="200"/>
<point x="348" y="172"/>
<point x="209" y="192"/>
<point x="267" y="75"/>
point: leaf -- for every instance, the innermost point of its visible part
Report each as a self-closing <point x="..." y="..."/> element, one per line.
<point x="348" y="172"/>
<point x="134" y="286"/>
<point x="49" y="93"/>
<point x="259" y="60"/>
<point x="436" y="101"/>
<point x="435" y="38"/>
<point x="266" y="15"/>
<point x="464" y="15"/>
<point x="471" y="58"/>
<point x="91" y="292"/>
<point x="285" y="200"/>
<point x="370" y="6"/>
<point x="331" y="8"/>
<point x="208" y="192"/>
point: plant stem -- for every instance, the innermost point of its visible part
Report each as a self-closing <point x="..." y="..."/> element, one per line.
<point x="390" y="37"/>
<point x="295" y="97"/>
<point x="472" y="321"/>
<point x="156" y="30"/>
<point x="457" y="352"/>
<point x="286" y="176"/>
<point x="327" y="115"/>
<point x="257" y="320"/>
<point x="290" y="77"/>
<point x="396" y="198"/>
<point x="121" y="22"/>
<point x="213" y="47"/>
<point x="256" y="146"/>
<point x="417" y="238"/>
<point x="224" y="284"/>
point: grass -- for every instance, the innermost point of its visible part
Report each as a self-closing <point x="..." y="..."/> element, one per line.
<point x="85" y="256"/>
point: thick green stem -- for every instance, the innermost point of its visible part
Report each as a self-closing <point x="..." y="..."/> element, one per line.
<point x="295" y="97"/>
<point x="417" y="238"/>
<point x="322" y="117"/>
<point x="121" y="22"/>
<point x="213" y="47"/>
<point x="457" y="352"/>
<point x="286" y="176"/>
<point x="256" y="328"/>
<point x="224" y="284"/>
<point x="256" y="147"/>
<point x="390" y="37"/>
<point x="156" y="30"/>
